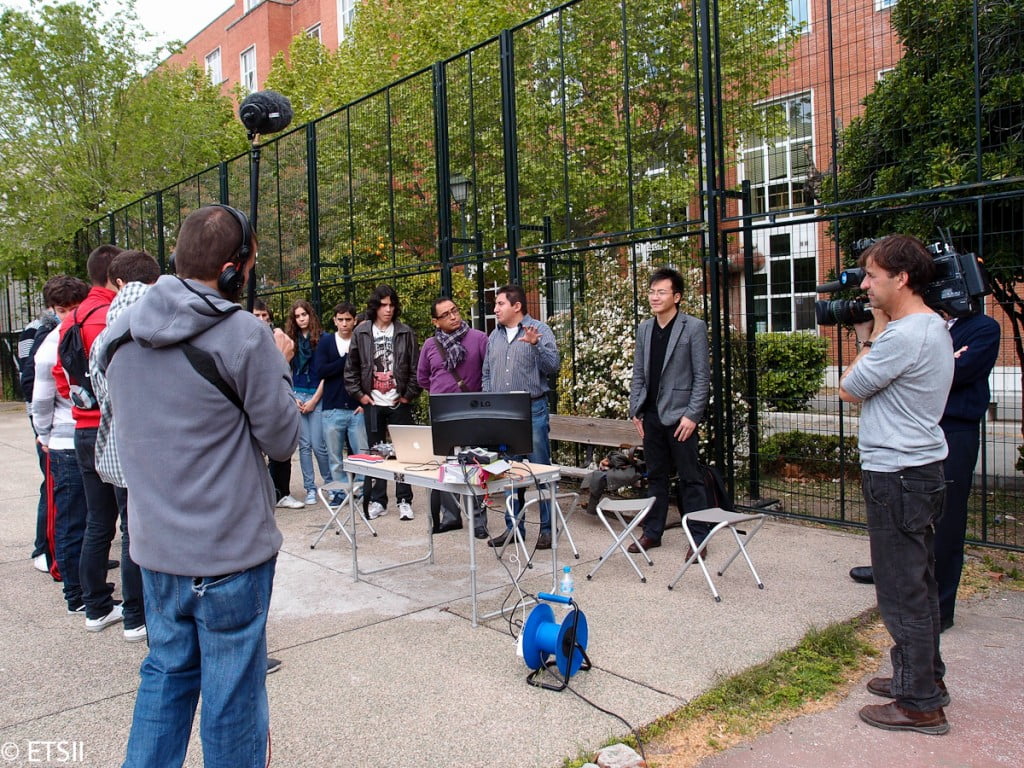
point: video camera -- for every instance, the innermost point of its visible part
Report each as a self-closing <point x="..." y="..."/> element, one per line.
<point x="957" y="289"/>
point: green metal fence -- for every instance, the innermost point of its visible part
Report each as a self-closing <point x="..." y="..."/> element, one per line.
<point x="581" y="148"/>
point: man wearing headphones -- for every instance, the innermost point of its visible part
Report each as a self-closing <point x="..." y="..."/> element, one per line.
<point x="192" y="440"/>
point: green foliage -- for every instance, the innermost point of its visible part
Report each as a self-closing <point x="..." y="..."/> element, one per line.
<point x="790" y="369"/>
<point x="814" y="455"/>
<point x="84" y="133"/>
<point x="949" y="113"/>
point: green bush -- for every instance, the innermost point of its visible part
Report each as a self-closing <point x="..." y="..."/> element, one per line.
<point x="814" y="455"/>
<point x="790" y="369"/>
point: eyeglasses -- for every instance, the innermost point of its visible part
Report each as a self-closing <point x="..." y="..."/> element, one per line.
<point x="453" y="312"/>
<point x="660" y="294"/>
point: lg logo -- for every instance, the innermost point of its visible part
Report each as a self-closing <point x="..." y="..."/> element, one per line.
<point x="479" y="403"/>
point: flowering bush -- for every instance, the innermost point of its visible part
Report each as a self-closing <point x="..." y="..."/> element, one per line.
<point x="603" y="327"/>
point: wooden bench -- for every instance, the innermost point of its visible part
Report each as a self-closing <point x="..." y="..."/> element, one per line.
<point x="591" y="431"/>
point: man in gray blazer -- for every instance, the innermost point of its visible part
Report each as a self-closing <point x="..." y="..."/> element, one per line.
<point x="667" y="399"/>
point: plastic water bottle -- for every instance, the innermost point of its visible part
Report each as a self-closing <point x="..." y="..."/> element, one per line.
<point x="567" y="586"/>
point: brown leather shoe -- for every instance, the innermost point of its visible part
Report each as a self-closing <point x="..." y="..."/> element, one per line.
<point x="689" y="552"/>
<point x="882" y="686"/>
<point x="893" y="717"/>
<point x="645" y="543"/>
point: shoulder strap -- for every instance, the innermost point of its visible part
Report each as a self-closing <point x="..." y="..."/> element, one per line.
<point x="458" y="379"/>
<point x="199" y="359"/>
<point x="79" y="322"/>
<point x="202" y="361"/>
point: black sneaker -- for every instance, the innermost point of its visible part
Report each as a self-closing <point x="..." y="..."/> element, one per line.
<point x="273" y="665"/>
<point x="481" y="533"/>
<point x="544" y="540"/>
<point x="74" y="608"/>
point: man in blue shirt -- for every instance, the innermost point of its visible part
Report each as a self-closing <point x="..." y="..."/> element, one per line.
<point x="521" y="354"/>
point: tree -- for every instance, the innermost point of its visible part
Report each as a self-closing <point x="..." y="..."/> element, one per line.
<point x="606" y="110"/>
<point x="918" y="132"/>
<point x="83" y="132"/>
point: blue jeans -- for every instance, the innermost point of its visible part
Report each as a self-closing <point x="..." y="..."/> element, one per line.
<point x="311" y="441"/>
<point x="105" y="507"/>
<point x="341" y="424"/>
<point x="902" y="508"/>
<point x="541" y="455"/>
<point x="206" y="635"/>
<point x="69" y="521"/>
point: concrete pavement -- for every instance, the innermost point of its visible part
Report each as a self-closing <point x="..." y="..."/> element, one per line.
<point x="388" y="671"/>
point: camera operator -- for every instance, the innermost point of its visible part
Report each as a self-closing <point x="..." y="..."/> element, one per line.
<point x="902" y="375"/>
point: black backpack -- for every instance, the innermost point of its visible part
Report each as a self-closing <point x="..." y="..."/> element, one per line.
<point x="715" y="490"/>
<point x="75" y="361"/>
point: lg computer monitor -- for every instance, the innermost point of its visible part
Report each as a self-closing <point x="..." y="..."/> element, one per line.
<point x="494" y="421"/>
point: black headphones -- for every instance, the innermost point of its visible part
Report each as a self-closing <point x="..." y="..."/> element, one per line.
<point x="232" y="278"/>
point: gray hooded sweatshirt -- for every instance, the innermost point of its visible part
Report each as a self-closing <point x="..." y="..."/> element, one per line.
<point x="200" y="498"/>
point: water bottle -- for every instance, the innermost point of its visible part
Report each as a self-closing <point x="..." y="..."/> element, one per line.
<point x="567" y="586"/>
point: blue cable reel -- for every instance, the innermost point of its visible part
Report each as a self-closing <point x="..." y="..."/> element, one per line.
<point x="544" y="638"/>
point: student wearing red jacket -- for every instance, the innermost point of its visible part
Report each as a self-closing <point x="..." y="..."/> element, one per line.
<point x="101" y="498"/>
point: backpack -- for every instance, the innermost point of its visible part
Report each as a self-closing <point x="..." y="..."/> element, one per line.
<point x="715" y="490"/>
<point x="75" y="360"/>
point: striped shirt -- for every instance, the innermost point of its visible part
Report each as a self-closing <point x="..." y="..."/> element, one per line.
<point x="516" y="366"/>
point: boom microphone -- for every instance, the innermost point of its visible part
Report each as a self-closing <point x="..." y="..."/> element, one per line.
<point x="265" y="112"/>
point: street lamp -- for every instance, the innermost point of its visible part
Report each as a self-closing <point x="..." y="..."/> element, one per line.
<point x="460" y="186"/>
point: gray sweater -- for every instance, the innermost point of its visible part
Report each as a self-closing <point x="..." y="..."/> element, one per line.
<point x="200" y="498"/>
<point x="903" y="381"/>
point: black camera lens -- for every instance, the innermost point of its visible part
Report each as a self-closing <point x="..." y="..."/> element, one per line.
<point x="841" y="312"/>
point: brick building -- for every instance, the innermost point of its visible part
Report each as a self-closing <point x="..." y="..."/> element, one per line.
<point x="239" y="45"/>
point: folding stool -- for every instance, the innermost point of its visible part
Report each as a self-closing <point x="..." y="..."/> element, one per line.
<point x="721" y="520"/>
<point x="325" y="493"/>
<point x="616" y="507"/>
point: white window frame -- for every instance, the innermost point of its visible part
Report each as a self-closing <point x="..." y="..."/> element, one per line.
<point x="314" y="32"/>
<point x="247" y="77"/>
<point x="781" y="149"/>
<point x="214" y="70"/>
<point x="248" y="5"/>
<point x="882" y="5"/>
<point x="804" y="23"/>
<point x="346" y="15"/>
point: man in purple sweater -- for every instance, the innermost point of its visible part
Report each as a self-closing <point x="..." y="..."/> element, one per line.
<point x="452" y="361"/>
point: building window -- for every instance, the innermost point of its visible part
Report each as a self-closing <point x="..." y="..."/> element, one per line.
<point x="250" y="4"/>
<point x="213" y="70"/>
<point x="881" y="5"/>
<point x="346" y="12"/>
<point x="778" y="167"/>
<point x="248" y="67"/>
<point x="314" y="32"/>
<point x="799" y="16"/>
<point x="784" y="290"/>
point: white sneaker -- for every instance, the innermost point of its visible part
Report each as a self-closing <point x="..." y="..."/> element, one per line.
<point x="405" y="510"/>
<point x="98" y="625"/>
<point x="39" y="563"/>
<point x="375" y="510"/>
<point x="289" y="502"/>
<point x="136" y="635"/>
<point x="311" y="497"/>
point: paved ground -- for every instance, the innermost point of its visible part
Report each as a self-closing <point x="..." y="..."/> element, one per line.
<point x="388" y="671"/>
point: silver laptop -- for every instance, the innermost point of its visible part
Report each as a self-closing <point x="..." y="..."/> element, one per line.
<point x="413" y="444"/>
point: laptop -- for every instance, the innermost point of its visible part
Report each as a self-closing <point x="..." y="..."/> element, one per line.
<point x="413" y="444"/>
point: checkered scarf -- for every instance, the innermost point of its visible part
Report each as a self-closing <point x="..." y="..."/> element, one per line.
<point x="451" y="344"/>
